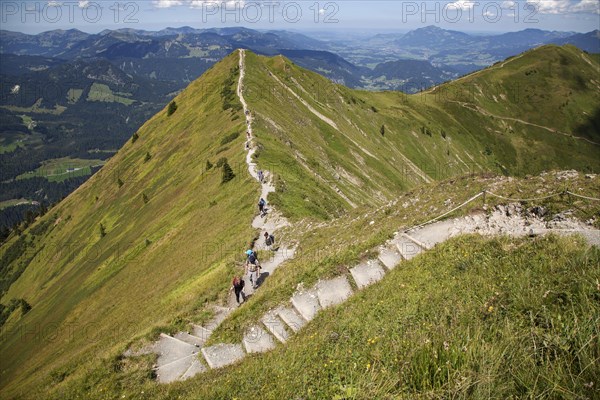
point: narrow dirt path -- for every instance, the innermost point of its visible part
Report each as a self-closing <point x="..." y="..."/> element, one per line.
<point x="273" y="220"/>
<point x="179" y="354"/>
<point x="472" y="74"/>
<point x="479" y="110"/>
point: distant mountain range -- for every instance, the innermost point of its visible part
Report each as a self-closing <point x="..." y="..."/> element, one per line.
<point x="463" y="52"/>
<point x="351" y="63"/>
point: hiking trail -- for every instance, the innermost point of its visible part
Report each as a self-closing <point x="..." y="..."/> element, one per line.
<point x="178" y="354"/>
<point x="478" y="109"/>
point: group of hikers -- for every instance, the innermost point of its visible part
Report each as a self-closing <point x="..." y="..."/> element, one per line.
<point x="252" y="265"/>
<point x="252" y="269"/>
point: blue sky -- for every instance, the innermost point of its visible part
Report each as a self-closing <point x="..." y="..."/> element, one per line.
<point x="313" y="15"/>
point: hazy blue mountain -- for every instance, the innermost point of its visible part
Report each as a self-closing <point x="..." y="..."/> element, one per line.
<point x="328" y="64"/>
<point x="589" y="42"/>
<point x="409" y="75"/>
<point x="434" y="37"/>
<point x="48" y="43"/>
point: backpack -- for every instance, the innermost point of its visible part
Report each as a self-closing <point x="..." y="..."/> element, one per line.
<point x="261" y="202"/>
<point x="252" y="259"/>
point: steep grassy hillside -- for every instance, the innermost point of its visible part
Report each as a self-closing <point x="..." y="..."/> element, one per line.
<point x="425" y="331"/>
<point x="530" y="107"/>
<point x="153" y="236"/>
<point x="336" y="148"/>
<point x="150" y="237"/>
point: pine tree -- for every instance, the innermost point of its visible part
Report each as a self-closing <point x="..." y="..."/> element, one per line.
<point x="382" y="130"/>
<point x="227" y="173"/>
<point x="145" y="198"/>
<point x="209" y="165"/>
<point x="102" y="231"/>
<point x="172" y="108"/>
<point x="147" y="157"/>
<point x="135" y="137"/>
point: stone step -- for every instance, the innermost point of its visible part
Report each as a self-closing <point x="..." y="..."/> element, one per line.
<point x="221" y="355"/>
<point x="170" y="349"/>
<point x="291" y="318"/>
<point x="221" y="314"/>
<point x="174" y="370"/>
<point x="257" y="340"/>
<point x="277" y="258"/>
<point x="190" y="339"/>
<point x="333" y="291"/>
<point x="275" y="325"/>
<point x="390" y="257"/>
<point x="196" y="368"/>
<point x="306" y="302"/>
<point x="407" y="247"/>
<point x="201" y="332"/>
<point x="367" y="273"/>
<point x="430" y="235"/>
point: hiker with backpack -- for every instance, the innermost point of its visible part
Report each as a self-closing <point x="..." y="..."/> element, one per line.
<point x="269" y="240"/>
<point x="260" y="175"/>
<point x="261" y="207"/>
<point x="252" y="267"/>
<point x="238" y="286"/>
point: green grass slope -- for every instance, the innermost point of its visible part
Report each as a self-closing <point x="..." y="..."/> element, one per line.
<point x="476" y="318"/>
<point x="533" y="111"/>
<point x="170" y="228"/>
<point x="335" y="148"/>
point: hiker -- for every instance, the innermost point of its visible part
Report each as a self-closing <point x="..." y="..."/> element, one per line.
<point x="269" y="240"/>
<point x="261" y="207"/>
<point x="252" y="268"/>
<point x="248" y="134"/>
<point x="238" y="286"/>
<point x="260" y="175"/>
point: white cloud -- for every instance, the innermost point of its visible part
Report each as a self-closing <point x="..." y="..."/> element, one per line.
<point x="54" y="4"/>
<point x="201" y="3"/>
<point x="550" y="6"/>
<point x="84" y="3"/>
<point x="565" y="6"/>
<point x="587" y="6"/>
<point x="461" y="4"/>
<point x="322" y="11"/>
<point x="167" y="3"/>
<point x="231" y="4"/>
